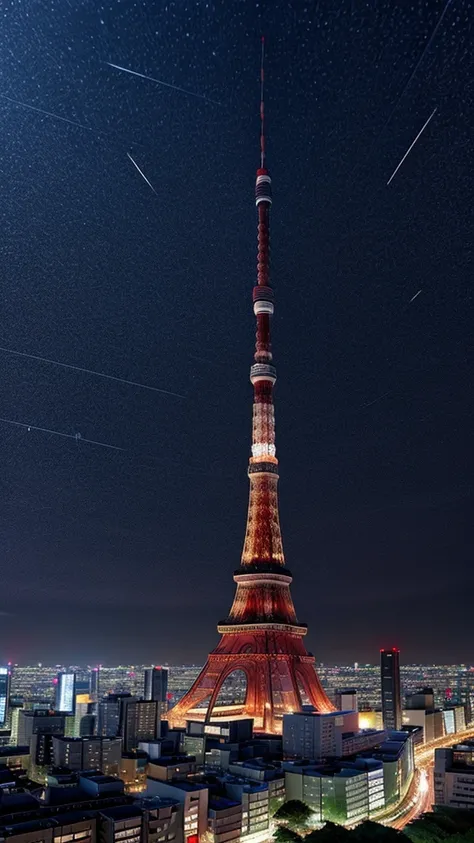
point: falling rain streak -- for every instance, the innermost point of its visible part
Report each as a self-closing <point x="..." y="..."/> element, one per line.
<point x="91" y="372"/>
<point x="77" y="436"/>
<point x="160" y="82"/>
<point x="141" y="173"/>
<point x="51" y="114"/>
<point x="411" y="146"/>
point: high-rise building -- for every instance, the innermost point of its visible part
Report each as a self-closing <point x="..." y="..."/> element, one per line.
<point x="15" y="707"/>
<point x="138" y="722"/>
<point x="391" y="693"/>
<point x="261" y="635"/>
<point x="66" y="693"/>
<point x="108" y="722"/>
<point x="36" y="729"/>
<point x="94" y="683"/>
<point x="4" y="694"/>
<point x="156" y="687"/>
<point x="83" y="710"/>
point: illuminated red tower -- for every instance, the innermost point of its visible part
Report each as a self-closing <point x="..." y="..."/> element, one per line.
<point x="261" y="636"/>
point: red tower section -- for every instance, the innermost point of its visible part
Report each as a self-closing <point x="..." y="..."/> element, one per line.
<point x="261" y="635"/>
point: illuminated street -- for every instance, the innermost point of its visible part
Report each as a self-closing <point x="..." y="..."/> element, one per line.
<point x="420" y="796"/>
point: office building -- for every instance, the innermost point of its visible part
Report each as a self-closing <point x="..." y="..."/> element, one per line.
<point x="66" y="693"/>
<point x="313" y="736"/>
<point x="423" y="699"/>
<point x="36" y="730"/>
<point x="4" y="694"/>
<point x="193" y="798"/>
<point x="431" y="722"/>
<point x="254" y="798"/>
<point x="454" y="776"/>
<point x="454" y="719"/>
<point x="138" y="721"/>
<point x="15" y="708"/>
<point x="397" y="756"/>
<point x="87" y="726"/>
<point x="156" y="688"/>
<point x="121" y="823"/>
<point x="391" y="691"/>
<point x="238" y="730"/>
<point x="90" y="753"/>
<point x="343" y="792"/>
<point x="258" y="770"/>
<point x="224" y="820"/>
<point x="420" y="711"/>
<point x="108" y="718"/>
<point x="163" y="819"/>
<point x="172" y="768"/>
<point x="84" y="719"/>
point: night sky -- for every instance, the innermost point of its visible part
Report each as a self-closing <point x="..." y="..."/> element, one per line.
<point x="127" y="555"/>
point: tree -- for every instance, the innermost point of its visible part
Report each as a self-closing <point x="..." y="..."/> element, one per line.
<point x="370" y="832"/>
<point x="283" y="834"/>
<point x="329" y="833"/>
<point x="436" y="827"/>
<point x="294" y="813"/>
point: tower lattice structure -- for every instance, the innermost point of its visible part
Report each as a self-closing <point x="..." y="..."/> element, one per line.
<point x="261" y="635"/>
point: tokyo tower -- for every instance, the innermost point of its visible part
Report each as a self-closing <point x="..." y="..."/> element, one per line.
<point x="261" y="635"/>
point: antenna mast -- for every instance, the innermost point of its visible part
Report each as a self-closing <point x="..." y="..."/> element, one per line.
<point x="262" y="107"/>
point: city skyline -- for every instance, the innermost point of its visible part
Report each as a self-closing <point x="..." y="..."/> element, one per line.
<point x="122" y="507"/>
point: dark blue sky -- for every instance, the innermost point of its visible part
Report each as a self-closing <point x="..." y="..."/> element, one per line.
<point x="128" y="555"/>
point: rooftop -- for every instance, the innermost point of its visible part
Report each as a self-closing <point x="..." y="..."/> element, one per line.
<point x="8" y="751"/>
<point x="122" y="812"/>
<point x="173" y="760"/>
<point x="219" y="803"/>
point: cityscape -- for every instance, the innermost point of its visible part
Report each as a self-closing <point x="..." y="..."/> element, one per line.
<point x="397" y="740"/>
<point x="144" y="546"/>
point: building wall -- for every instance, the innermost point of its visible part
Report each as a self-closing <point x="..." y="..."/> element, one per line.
<point x="194" y="802"/>
<point x="225" y="824"/>
<point x="314" y="736"/>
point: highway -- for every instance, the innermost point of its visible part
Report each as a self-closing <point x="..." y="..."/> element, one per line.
<point x="420" y="796"/>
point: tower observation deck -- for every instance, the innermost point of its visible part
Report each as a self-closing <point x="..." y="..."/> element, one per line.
<point x="261" y="635"/>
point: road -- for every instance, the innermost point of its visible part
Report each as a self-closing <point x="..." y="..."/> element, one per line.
<point x="420" y="796"/>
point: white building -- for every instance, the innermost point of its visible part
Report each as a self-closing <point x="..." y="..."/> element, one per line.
<point x="454" y="776"/>
<point x="432" y="722"/>
<point x="344" y="792"/>
<point x="312" y="735"/>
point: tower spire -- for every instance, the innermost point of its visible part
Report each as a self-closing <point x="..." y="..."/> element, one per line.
<point x="260" y="636"/>
<point x="262" y="105"/>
